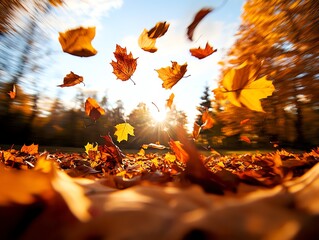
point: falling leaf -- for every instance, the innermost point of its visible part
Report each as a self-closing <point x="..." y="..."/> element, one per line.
<point x="241" y="88"/>
<point x="78" y="41"/>
<point x="56" y="3"/>
<point x="90" y="147"/>
<point x="207" y="119"/>
<point x="13" y="93"/>
<point x="245" y="139"/>
<point x="31" y="149"/>
<point x="201" y="53"/>
<point x="196" y="130"/>
<point x="71" y="79"/>
<point x="170" y="100"/>
<point x="111" y="148"/>
<point x="93" y="109"/>
<point x="158" y="30"/>
<point x="171" y="75"/>
<point x="198" y="17"/>
<point x="179" y="151"/>
<point x="125" y="65"/>
<point x="244" y="121"/>
<point x="123" y="130"/>
<point x="147" y="43"/>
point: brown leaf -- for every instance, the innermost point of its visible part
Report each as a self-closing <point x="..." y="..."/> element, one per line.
<point x="158" y="30"/>
<point x="179" y="151"/>
<point x="125" y="65"/>
<point x="93" y="109"/>
<point x="71" y="79"/>
<point x="201" y="53"/>
<point x="198" y="17"/>
<point x="78" y="41"/>
<point x="171" y="75"/>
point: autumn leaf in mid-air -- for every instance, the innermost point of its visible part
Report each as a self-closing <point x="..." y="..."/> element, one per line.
<point x="13" y="93"/>
<point x="207" y="119"/>
<point x="93" y="109"/>
<point x="198" y="17"/>
<point x="78" y="41"/>
<point x="242" y="88"/>
<point x="170" y="100"/>
<point x="56" y="3"/>
<point x="201" y="53"/>
<point x="125" y="65"/>
<point x="147" y="39"/>
<point x="71" y="79"/>
<point x="30" y="149"/>
<point x="171" y="75"/>
<point x="196" y="130"/>
<point x="245" y="139"/>
<point x="123" y="130"/>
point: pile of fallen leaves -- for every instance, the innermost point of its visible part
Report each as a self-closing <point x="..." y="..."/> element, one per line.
<point x="104" y="193"/>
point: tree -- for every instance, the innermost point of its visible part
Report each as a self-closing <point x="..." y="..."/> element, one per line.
<point x="284" y="35"/>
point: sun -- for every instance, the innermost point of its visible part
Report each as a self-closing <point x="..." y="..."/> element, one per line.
<point x="158" y="115"/>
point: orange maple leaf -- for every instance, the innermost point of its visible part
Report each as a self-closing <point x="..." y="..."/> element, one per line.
<point x="201" y="53"/>
<point x="198" y="17"/>
<point x="31" y="149"/>
<point x="13" y="93"/>
<point x="179" y="151"/>
<point x="78" y="41"/>
<point x="171" y="75"/>
<point x="93" y="109"/>
<point x="125" y="65"/>
<point x="71" y="79"/>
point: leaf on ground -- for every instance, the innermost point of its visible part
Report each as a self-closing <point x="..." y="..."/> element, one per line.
<point x="93" y="109"/>
<point x="201" y="53"/>
<point x="31" y="149"/>
<point x="123" y="130"/>
<point x="171" y="75"/>
<point x="198" y="17"/>
<point x="77" y="41"/>
<point x="90" y="147"/>
<point x="71" y="79"/>
<point x="125" y="65"/>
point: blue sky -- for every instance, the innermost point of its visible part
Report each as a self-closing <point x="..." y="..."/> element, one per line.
<point x="121" y="22"/>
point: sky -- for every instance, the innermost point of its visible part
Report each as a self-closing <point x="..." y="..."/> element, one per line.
<point x="121" y="22"/>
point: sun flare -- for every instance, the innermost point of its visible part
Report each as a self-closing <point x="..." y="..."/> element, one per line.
<point x="158" y="115"/>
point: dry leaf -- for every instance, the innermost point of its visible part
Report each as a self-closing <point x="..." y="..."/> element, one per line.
<point x="93" y="109"/>
<point x="31" y="149"/>
<point x="207" y="119"/>
<point x="78" y="41"/>
<point x="201" y="53"/>
<point x="241" y="88"/>
<point x="170" y="100"/>
<point x="147" y="43"/>
<point x="244" y="121"/>
<point x="171" y="75"/>
<point x="245" y="139"/>
<point x="198" y="17"/>
<point x="71" y="79"/>
<point x="125" y="65"/>
<point x="123" y="130"/>
<point x="196" y="130"/>
<point x="158" y="30"/>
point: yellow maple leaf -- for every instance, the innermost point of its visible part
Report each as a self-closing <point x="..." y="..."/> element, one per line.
<point x="78" y="41"/>
<point x="241" y="88"/>
<point x="90" y="147"/>
<point x="171" y="75"/>
<point x="123" y="130"/>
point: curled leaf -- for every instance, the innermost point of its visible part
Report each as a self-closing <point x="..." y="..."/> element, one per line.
<point x="201" y="53"/>
<point x="198" y="17"/>
<point x="71" y="79"/>
<point x="147" y="43"/>
<point x="93" y="109"/>
<point x="207" y="119"/>
<point x="171" y="75"/>
<point x="245" y="139"/>
<point x="158" y="30"/>
<point x="78" y="41"/>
